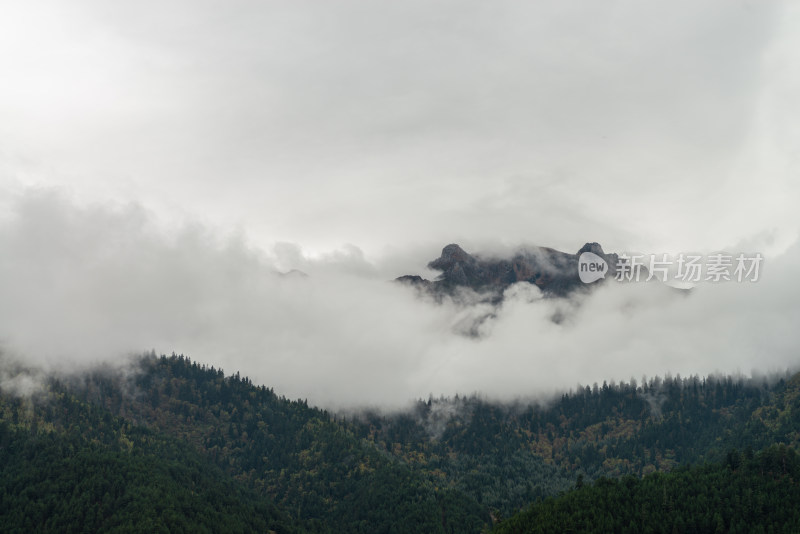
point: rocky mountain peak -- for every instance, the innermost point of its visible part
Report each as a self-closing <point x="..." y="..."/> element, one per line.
<point x="552" y="271"/>
<point x="451" y="256"/>
<point x="593" y="247"/>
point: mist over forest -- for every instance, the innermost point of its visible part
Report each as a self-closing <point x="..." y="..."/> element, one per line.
<point x="369" y="267"/>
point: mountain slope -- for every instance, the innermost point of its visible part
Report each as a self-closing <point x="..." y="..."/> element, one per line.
<point x="745" y="494"/>
<point x="445" y="465"/>
<point x="67" y="466"/>
<point x="505" y="456"/>
<point x="501" y="456"/>
<point x="297" y="456"/>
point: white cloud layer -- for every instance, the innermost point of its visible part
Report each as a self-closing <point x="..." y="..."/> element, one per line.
<point x="85" y="285"/>
<point x="658" y="126"/>
<point x="160" y="160"/>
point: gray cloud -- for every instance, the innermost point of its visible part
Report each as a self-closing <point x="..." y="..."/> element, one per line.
<point x="669" y="125"/>
<point x="84" y="285"/>
<point x="159" y="163"/>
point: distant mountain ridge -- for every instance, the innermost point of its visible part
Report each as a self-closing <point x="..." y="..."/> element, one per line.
<point x="552" y="271"/>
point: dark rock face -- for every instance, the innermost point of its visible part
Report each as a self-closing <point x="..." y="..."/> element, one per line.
<point x="592" y="247"/>
<point x="413" y="280"/>
<point x="458" y="267"/>
<point x="554" y="272"/>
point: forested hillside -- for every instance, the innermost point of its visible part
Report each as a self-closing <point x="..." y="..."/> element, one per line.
<point x="507" y="455"/>
<point x="172" y="443"/>
<point x="69" y="466"/>
<point x="743" y="495"/>
<point x="314" y="469"/>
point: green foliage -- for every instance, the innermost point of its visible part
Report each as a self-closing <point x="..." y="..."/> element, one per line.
<point x="750" y="495"/>
<point x="507" y="456"/>
<point x="170" y="443"/>
<point x="298" y="457"/>
<point x="95" y="473"/>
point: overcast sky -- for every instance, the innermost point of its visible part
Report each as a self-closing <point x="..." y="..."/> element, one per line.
<point x="158" y="160"/>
